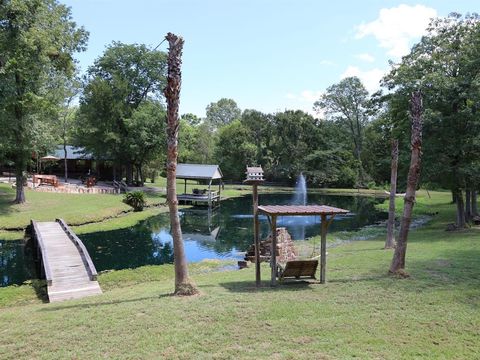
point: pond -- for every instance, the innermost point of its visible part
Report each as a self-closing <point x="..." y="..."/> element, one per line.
<point x="224" y="233"/>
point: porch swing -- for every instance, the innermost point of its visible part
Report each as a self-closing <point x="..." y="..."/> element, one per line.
<point x="299" y="268"/>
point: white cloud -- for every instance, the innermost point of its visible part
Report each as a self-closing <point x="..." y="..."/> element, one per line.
<point x="370" y="78"/>
<point x="396" y="27"/>
<point x="365" y="57"/>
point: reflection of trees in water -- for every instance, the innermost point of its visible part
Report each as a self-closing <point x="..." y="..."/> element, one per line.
<point x="149" y="243"/>
<point x="16" y="263"/>
<point x="127" y="248"/>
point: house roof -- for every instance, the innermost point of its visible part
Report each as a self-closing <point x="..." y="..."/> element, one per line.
<point x="198" y="171"/>
<point x="73" y="153"/>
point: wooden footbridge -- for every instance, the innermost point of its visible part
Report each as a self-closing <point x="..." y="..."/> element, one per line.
<point x="65" y="262"/>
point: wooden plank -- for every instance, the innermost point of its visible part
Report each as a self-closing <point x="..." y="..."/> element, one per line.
<point x="323" y="249"/>
<point x="273" y="252"/>
<point x="68" y="262"/>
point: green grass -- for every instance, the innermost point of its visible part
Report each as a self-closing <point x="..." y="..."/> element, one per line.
<point x="361" y="312"/>
<point x="73" y="208"/>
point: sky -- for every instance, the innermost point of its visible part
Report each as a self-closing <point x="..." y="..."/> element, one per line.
<point x="268" y="55"/>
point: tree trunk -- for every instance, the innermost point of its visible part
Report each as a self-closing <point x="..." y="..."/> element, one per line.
<point x="390" y="242"/>
<point x="460" y="210"/>
<point x="474" y="203"/>
<point x="129" y="174"/>
<point x="183" y="285"/>
<point x="20" y="191"/>
<point x="454" y="197"/>
<point x="468" y="205"/>
<point x="398" y="261"/>
<point x="65" y="161"/>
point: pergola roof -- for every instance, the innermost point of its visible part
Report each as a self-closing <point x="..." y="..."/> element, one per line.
<point x="280" y="210"/>
<point x="198" y="171"/>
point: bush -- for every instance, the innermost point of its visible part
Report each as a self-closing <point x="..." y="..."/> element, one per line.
<point x="135" y="199"/>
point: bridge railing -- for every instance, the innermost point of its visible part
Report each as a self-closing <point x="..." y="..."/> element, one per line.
<point x="41" y="246"/>
<point x="76" y="240"/>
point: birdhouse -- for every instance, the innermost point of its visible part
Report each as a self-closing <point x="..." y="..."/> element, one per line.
<point x="254" y="174"/>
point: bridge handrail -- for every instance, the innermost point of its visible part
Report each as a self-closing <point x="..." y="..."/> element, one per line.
<point x="43" y="250"/>
<point x="81" y="247"/>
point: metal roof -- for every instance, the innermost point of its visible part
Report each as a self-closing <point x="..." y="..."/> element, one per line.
<point x="301" y="210"/>
<point x="198" y="171"/>
<point x="73" y="153"/>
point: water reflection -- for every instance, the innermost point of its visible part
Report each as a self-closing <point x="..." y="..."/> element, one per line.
<point x="221" y="234"/>
<point x="16" y="262"/>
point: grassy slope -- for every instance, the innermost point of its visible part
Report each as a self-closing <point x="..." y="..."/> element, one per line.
<point x="361" y="312"/>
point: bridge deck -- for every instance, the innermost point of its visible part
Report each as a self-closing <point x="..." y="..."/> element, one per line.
<point x="71" y="277"/>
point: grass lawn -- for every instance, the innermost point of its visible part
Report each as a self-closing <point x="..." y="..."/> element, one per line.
<point x="361" y="312"/>
<point x="73" y="208"/>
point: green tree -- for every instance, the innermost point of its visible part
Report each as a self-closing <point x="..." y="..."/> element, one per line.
<point x="234" y="150"/>
<point x="445" y="66"/>
<point x="294" y="135"/>
<point x="222" y="112"/>
<point x="124" y="77"/>
<point x="37" y="41"/>
<point x="147" y="136"/>
<point x="347" y="103"/>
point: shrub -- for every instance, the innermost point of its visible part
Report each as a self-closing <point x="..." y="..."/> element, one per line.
<point x="135" y="199"/>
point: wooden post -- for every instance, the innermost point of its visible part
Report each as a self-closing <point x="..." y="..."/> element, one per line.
<point x="210" y="194"/>
<point x="323" y="249"/>
<point x="256" y="235"/>
<point x="273" y="251"/>
<point x="185" y="191"/>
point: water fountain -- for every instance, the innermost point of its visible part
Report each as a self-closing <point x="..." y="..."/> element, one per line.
<point x="300" y="196"/>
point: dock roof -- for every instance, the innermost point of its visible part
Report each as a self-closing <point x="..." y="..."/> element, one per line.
<point x="198" y="171"/>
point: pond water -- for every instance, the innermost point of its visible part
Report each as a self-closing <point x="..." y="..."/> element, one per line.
<point x="220" y="234"/>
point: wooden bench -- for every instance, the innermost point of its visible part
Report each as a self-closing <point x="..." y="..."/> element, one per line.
<point x="297" y="269"/>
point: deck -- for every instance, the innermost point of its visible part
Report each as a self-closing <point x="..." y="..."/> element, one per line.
<point x="65" y="262"/>
<point x="200" y="199"/>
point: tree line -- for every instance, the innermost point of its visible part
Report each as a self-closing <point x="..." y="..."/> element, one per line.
<point x="116" y="111"/>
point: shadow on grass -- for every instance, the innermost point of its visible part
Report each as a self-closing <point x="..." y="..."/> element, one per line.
<point x="95" y="304"/>
<point x="6" y="200"/>
<point x="249" y="286"/>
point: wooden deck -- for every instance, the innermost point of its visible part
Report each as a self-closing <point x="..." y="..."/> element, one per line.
<point x="66" y="264"/>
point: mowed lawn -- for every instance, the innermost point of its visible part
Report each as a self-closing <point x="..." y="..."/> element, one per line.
<point x="361" y="312"/>
<point x="74" y="208"/>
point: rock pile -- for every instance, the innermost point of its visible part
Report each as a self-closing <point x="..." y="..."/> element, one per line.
<point x="285" y="248"/>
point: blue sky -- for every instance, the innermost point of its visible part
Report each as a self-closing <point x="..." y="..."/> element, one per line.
<point x="268" y="55"/>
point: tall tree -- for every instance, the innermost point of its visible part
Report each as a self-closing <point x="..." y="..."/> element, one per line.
<point x="445" y="65"/>
<point x="398" y="261"/>
<point x="390" y="242"/>
<point x="123" y="78"/>
<point x="183" y="284"/>
<point x="347" y="103"/>
<point x="222" y="112"/>
<point x="37" y="39"/>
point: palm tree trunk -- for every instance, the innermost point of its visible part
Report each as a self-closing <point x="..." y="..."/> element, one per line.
<point x="183" y="285"/>
<point x="390" y="242"/>
<point x="398" y="261"/>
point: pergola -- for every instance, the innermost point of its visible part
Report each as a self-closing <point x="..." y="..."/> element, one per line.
<point x="274" y="211"/>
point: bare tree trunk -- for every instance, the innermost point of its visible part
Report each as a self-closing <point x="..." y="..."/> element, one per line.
<point x="474" y="203"/>
<point x="183" y="285"/>
<point x="129" y="174"/>
<point x="468" y="205"/>
<point x="398" y="261"/>
<point x="390" y="242"/>
<point x="454" y="197"/>
<point x="460" y="210"/>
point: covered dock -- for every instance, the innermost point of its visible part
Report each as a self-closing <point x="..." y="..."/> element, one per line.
<point x="200" y="172"/>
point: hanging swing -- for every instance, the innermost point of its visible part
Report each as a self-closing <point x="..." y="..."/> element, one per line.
<point x="298" y="268"/>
